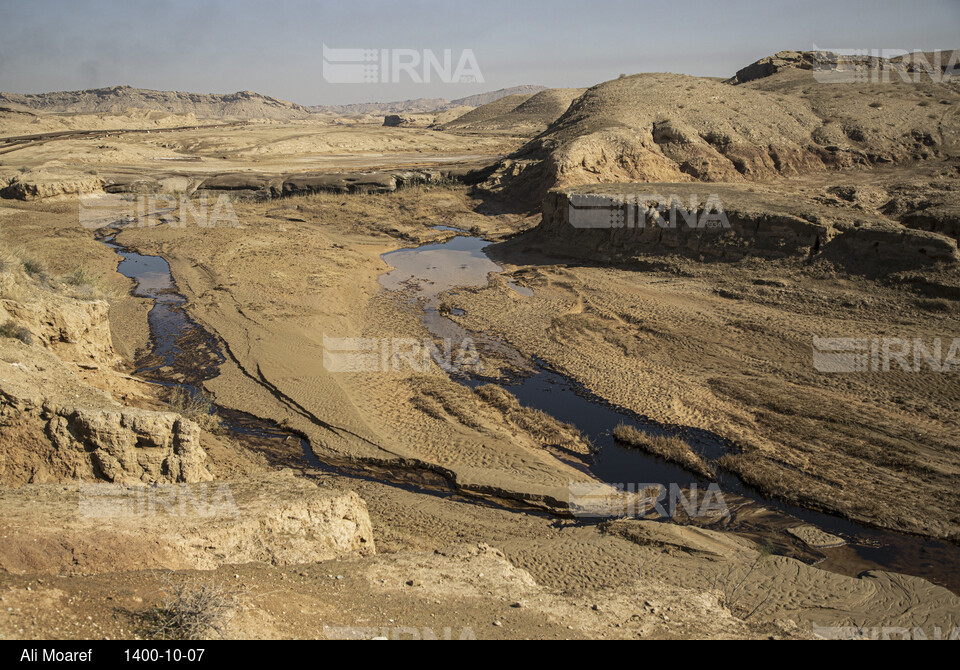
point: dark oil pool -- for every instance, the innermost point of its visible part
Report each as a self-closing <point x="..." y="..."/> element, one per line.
<point x="184" y="354"/>
<point x="425" y="272"/>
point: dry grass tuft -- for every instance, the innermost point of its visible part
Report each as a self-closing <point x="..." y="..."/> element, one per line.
<point x="198" y="407"/>
<point x="668" y="447"/>
<point x="86" y="286"/>
<point x="12" y="330"/>
<point x="544" y="428"/>
<point x="35" y="268"/>
<point x="440" y="398"/>
<point x="193" y="609"/>
<point x="80" y="277"/>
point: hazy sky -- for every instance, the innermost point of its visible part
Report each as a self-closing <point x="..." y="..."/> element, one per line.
<point x="275" y="48"/>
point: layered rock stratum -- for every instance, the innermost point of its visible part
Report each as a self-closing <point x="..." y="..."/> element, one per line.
<point x="240" y="105"/>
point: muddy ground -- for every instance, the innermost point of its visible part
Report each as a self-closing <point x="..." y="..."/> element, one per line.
<point x="472" y="541"/>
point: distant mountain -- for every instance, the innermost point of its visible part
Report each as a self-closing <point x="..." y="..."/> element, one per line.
<point x="518" y="113"/>
<point x="241" y="105"/>
<point x="487" y="98"/>
<point x="377" y="108"/>
<point x="424" y="104"/>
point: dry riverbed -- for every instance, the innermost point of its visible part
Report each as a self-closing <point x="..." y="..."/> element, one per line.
<point x="297" y="269"/>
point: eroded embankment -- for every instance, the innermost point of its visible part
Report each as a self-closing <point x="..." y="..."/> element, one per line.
<point x="186" y="355"/>
<point x="281" y="384"/>
<point x="437" y="269"/>
<point x="714" y="222"/>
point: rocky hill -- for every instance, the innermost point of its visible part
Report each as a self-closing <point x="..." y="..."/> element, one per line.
<point x="777" y="117"/>
<point x="518" y="113"/>
<point x="419" y="105"/>
<point x="241" y="105"/>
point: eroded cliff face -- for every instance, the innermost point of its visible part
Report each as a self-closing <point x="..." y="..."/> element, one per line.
<point x="37" y="186"/>
<point x="75" y="330"/>
<point x="59" y="417"/>
<point x="614" y="222"/>
<point x="93" y="480"/>
<point x="130" y="445"/>
<point x="97" y="528"/>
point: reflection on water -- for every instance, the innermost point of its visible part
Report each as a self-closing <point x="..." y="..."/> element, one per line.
<point x="175" y="336"/>
<point x="521" y="290"/>
<point x="434" y="268"/>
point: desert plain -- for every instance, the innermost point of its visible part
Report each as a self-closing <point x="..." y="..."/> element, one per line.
<point x="403" y="500"/>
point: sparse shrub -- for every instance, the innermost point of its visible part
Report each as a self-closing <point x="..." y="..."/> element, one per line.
<point x="669" y="447"/>
<point x="936" y="304"/>
<point x="8" y="261"/>
<point x="193" y="609"/>
<point x="441" y="398"/>
<point x="445" y="308"/>
<point x="35" y="268"/>
<point x="12" y="330"/>
<point x="497" y="396"/>
<point x="199" y="407"/>
<point x="80" y="277"/>
<point x="87" y="286"/>
<point x="430" y="406"/>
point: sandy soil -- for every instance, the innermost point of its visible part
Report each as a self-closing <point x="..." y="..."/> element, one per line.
<point x="321" y="275"/>
<point x="271" y="147"/>
<point x="456" y="491"/>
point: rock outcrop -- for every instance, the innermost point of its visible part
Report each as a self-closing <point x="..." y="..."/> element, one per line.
<point x="56" y="425"/>
<point x="266" y="186"/>
<point x="771" y="65"/>
<point x="78" y="330"/>
<point x="42" y="185"/>
<point x="241" y="105"/>
<point x="131" y="445"/>
<point x="408" y="120"/>
<point x="97" y="528"/>
<point x="834" y="67"/>
<point x="613" y="222"/>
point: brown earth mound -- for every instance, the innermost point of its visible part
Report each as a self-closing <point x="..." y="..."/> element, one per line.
<point x="666" y="127"/>
<point x="492" y="110"/>
<point x="530" y="117"/>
